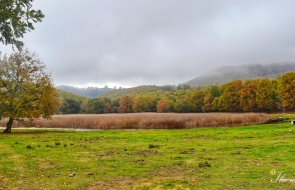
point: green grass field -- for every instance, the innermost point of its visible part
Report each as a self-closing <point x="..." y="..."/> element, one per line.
<point x="248" y="157"/>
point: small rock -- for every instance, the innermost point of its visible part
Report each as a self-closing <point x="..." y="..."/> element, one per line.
<point x="72" y="175"/>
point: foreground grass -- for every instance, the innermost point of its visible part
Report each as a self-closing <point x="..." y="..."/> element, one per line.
<point x="205" y="158"/>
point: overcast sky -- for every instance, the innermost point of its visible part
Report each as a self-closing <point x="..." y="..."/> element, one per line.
<point x="157" y="42"/>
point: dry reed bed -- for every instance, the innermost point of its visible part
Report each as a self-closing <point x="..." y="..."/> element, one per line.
<point x="146" y="120"/>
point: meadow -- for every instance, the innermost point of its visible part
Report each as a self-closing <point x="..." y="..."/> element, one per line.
<point x="244" y="157"/>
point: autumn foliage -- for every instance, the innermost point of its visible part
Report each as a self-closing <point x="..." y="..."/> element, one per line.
<point x="286" y="90"/>
<point x="126" y="104"/>
<point x="257" y="95"/>
<point x="26" y="89"/>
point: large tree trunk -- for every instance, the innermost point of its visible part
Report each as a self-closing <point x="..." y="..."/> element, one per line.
<point x="8" y="126"/>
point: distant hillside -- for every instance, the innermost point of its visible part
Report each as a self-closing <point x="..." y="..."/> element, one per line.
<point x="89" y="92"/>
<point x="137" y="91"/>
<point x="68" y="95"/>
<point x="226" y="74"/>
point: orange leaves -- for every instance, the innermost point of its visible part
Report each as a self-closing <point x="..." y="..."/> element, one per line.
<point x="208" y="100"/>
<point x="163" y="106"/>
<point x="126" y="104"/>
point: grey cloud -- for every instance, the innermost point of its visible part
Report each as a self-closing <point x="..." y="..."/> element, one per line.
<point x="132" y="42"/>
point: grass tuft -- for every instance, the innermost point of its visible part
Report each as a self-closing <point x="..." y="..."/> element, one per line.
<point x="154" y="146"/>
<point x="204" y="164"/>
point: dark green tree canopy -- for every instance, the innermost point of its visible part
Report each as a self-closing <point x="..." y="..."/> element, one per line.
<point x="16" y="18"/>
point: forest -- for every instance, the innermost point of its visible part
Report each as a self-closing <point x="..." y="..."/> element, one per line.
<point x="257" y="95"/>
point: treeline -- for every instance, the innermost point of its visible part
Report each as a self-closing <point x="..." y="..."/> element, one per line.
<point x="145" y="89"/>
<point x="259" y="95"/>
<point x="90" y="92"/>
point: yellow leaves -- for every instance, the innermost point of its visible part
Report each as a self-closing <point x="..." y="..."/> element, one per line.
<point x="286" y="90"/>
<point x="30" y="92"/>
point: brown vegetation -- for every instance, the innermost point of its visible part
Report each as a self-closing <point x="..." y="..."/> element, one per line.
<point x="146" y="120"/>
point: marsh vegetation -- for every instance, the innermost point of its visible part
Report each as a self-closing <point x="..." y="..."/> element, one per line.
<point x="147" y="120"/>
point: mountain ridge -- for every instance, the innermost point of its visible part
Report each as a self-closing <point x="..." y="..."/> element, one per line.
<point x="224" y="74"/>
<point x="216" y="76"/>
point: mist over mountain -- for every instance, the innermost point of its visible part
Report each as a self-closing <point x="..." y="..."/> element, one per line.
<point x="222" y="75"/>
<point x="89" y="92"/>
